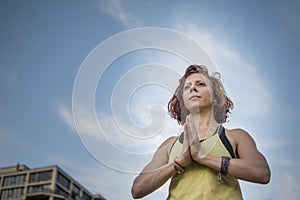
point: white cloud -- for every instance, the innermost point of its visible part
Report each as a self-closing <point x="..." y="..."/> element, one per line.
<point x="116" y="10"/>
<point x="88" y="125"/>
<point x="275" y="143"/>
<point x="66" y="116"/>
<point x="246" y="86"/>
<point x="112" y="130"/>
<point x="120" y="145"/>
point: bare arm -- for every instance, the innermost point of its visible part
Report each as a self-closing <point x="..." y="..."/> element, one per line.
<point x="156" y="173"/>
<point x="252" y="165"/>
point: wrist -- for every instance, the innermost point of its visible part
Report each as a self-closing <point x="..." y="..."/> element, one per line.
<point x="179" y="168"/>
<point x="181" y="161"/>
<point x="225" y="161"/>
<point x="201" y="159"/>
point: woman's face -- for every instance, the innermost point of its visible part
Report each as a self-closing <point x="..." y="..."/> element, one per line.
<point x="196" y="93"/>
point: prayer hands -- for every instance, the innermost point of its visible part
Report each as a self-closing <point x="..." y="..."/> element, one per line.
<point x="191" y="147"/>
<point x="191" y="131"/>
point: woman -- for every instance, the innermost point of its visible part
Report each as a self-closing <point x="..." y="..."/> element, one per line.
<point x="206" y="160"/>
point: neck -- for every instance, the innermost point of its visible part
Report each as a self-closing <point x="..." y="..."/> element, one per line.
<point x="205" y="123"/>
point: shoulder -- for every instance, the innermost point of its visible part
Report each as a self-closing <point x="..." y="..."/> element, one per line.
<point x="239" y="135"/>
<point x="167" y="144"/>
<point x="245" y="145"/>
<point x="237" y="132"/>
<point x="169" y="140"/>
<point x="162" y="151"/>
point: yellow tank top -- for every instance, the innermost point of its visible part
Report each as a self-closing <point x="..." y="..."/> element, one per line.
<point x="200" y="182"/>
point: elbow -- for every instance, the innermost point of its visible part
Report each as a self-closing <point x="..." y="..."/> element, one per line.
<point x="136" y="195"/>
<point x="136" y="192"/>
<point x="265" y="177"/>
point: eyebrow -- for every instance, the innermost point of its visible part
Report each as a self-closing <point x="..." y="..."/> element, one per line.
<point x="197" y="81"/>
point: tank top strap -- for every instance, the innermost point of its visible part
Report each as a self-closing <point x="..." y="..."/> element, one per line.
<point x="226" y="142"/>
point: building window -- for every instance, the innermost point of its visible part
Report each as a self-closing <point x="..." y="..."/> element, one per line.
<point x="15" y="193"/>
<point x="39" y="188"/>
<point x="14" y="180"/>
<point x="85" y="196"/>
<point x="56" y="198"/>
<point x="40" y="176"/>
<point x="60" y="191"/>
<point x="63" y="181"/>
<point x="75" y="192"/>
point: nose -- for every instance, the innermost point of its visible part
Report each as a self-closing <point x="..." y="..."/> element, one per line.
<point x="193" y="88"/>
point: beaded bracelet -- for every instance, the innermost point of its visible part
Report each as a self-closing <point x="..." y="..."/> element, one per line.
<point x="224" y="165"/>
<point x="224" y="168"/>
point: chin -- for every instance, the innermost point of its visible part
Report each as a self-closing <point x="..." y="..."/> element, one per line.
<point x="194" y="109"/>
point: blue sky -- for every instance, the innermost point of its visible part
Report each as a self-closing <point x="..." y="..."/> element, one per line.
<point x="44" y="44"/>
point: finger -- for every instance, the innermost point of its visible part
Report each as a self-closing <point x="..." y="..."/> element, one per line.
<point x="192" y="133"/>
<point x="187" y="125"/>
<point x="185" y="137"/>
<point x="188" y="135"/>
<point x="193" y="128"/>
<point x="192" y="125"/>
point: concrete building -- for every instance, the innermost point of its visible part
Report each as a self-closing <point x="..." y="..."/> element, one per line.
<point x="46" y="183"/>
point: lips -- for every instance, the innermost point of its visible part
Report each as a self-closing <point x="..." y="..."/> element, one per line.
<point x="194" y="97"/>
